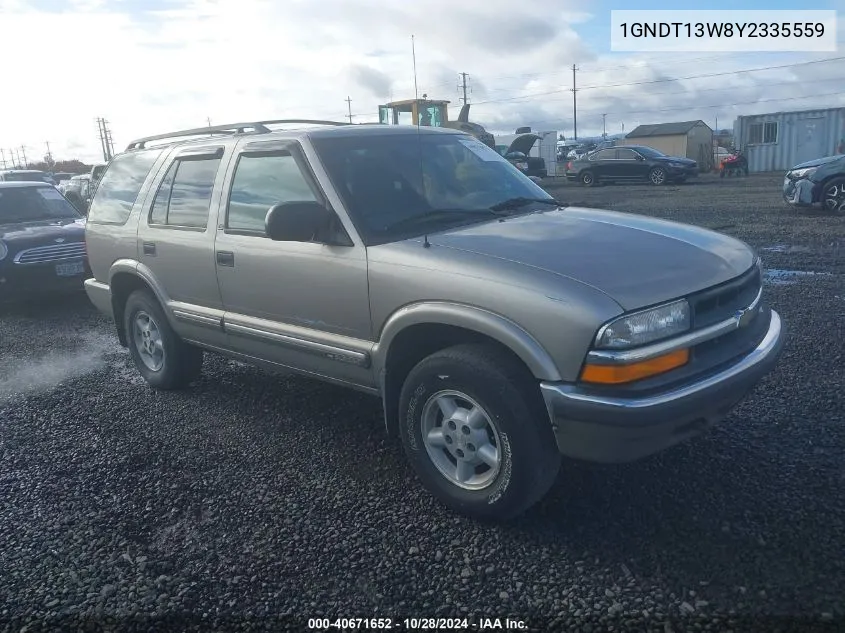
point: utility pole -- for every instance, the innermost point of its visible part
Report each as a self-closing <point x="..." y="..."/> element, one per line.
<point x="23" y="151"/>
<point x="463" y="86"/>
<point x="349" y="107"/>
<point x="574" y="104"/>
<point x="106" y="142"/>
<point x="49" y="154"/>
<point x="604" y="126"/>
<point x="208" y="120"/>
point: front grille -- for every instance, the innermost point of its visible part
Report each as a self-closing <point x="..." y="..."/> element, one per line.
<point x="722" y="302"/>
<point x="52" y="253"/>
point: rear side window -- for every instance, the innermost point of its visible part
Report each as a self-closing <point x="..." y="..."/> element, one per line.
<point x="261" y="182"/>
<point x="184" y="198"/>
<point x="120" y="186"/>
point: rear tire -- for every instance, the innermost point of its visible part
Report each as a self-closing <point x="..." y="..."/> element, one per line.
<point x="587" y="179"/>
<point x="162" y="358"/>
<point x="475" y="430"/>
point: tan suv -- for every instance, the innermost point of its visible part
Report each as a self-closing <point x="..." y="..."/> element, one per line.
<point x="500" y="328"/>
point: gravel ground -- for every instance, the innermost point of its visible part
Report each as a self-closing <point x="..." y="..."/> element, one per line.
<point x="256" y="502"/>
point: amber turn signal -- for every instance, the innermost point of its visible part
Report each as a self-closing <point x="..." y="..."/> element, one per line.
<point x="618" y="374"/>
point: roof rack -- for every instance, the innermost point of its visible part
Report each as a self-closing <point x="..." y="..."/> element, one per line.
<point x="259" y="127"/>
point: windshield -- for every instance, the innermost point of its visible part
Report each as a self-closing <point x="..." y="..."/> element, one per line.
<point x="24" y="204"/>
<point x="649" y="152"/>
<point x="388" y="180"/>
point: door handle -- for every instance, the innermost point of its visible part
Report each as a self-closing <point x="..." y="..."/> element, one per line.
<point x="149" y="248"/>
<point x="226" y="258"/>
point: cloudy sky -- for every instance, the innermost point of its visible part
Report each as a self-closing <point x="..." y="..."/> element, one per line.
<point x="150" y="66"/>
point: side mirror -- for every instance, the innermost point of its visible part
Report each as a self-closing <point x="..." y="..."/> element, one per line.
<point x="296" y="221"/>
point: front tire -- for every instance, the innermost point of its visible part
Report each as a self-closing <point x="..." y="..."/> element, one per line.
<point x="587" y="179"/>
<point x="476" y="433"/>
<point x="162" y="358"/>
<point x="657" y="176"/>
<point x="833" y="196"/>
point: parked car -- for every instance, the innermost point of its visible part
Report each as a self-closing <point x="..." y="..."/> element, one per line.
<point x="818" y="183"/>
<point x="518" y="153"/>
<point x="24" y="175"/>
<point x="60" y="177"/>
<point x="630" y="163"/>
<point x="78" y="191"/>
<point x="42" y="242"/>
<point x="418" y="265"/>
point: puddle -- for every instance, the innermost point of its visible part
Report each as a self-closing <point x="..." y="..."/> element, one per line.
<point x="46" y="372"/>
<point x="780" y="277"/>
<point x="787" y="248"/>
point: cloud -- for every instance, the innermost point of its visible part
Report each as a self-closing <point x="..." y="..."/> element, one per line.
<point x="374" y="81"/>
<point x="150" y="66"/>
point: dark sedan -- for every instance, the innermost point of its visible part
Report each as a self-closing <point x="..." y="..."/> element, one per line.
<point x="630" y="163"/>
<point x="818" y="183"/>
<point x="42" y="242"/>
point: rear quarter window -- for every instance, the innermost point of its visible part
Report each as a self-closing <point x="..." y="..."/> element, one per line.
<point x="120" y="185"/>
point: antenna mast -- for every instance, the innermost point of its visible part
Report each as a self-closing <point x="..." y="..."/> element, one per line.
<point x="414" y="57"/>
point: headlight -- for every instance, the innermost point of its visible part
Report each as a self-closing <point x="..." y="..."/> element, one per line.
<point x="645" y="327"/>
<point x="797" y="174"/>
<point x="3" y="250"/>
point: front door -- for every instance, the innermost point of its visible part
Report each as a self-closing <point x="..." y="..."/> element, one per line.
<point x="299" y="304"/>
<point x="176" y="241"/>
<point x="629" y="165"/>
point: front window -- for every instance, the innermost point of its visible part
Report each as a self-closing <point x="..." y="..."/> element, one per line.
<point x="26" y="204"/>
<point x="390" y="181"/>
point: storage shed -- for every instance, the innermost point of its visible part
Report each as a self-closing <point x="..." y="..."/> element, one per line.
<point x="781" y="140"/>
<point x="690" y="139"/>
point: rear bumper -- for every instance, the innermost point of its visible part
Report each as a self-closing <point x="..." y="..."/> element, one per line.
<point x="615" y="430"/>
<point x="100" y="295"/>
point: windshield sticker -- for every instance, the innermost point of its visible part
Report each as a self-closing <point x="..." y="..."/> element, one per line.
<point x="481" y="150"/>
<point x="50" y="194"/>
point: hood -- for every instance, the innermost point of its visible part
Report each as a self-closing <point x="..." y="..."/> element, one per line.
<point x="676" y="159"/>
<point x="43" y="231"/>
<point x="637" y="261"/>
<point x="523" y="143"/>
<point x="819" y="162"/>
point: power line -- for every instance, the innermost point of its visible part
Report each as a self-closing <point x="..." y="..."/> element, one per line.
<point x="664" y="80"/>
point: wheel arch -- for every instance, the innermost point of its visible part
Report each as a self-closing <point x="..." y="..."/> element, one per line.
<point x="125" y="277"/>
<point x="419" y="330"/>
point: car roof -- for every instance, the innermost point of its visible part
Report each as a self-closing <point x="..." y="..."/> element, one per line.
<point x="322" y="132"/>
<point x="8" y="184"/>
<point x="22" y="171"/>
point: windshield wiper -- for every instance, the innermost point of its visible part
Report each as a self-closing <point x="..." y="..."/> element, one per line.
<point x="512" y="204"/>
<point x="438" y="215"/>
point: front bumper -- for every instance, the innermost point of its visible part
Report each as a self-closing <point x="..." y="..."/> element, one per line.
<point x="623" y="429"/>
<point x="800" y="193"/>
<point x="33" y="281"/>
<point x="682" y="172"/>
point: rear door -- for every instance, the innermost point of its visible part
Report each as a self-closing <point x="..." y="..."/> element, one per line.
<point x="176" y="240"/>
<point x="603" y="164"/>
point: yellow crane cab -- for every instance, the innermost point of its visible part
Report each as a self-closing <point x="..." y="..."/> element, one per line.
<point x="431" y="113"/>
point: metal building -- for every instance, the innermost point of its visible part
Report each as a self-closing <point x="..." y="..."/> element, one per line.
<point x="781" y="140"/>
<point x="689" y="139"/>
